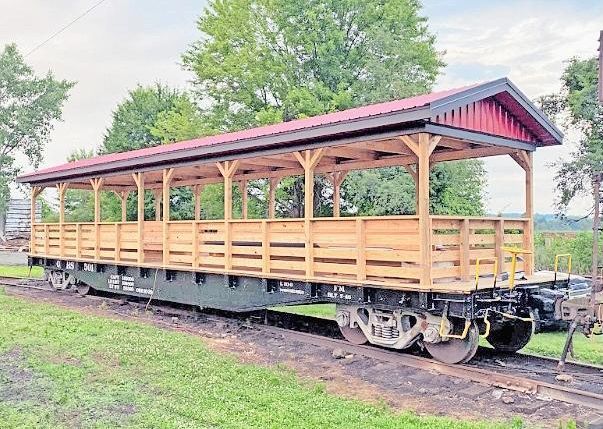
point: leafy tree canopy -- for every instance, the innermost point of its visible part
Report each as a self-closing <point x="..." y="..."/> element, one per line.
<point x="576" y="107"/>
<point x="150" y="116"/>
<point x="266" y="61"/>
<point x="29" y="106"/>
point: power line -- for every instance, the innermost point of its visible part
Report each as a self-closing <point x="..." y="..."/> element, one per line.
<point x="53" y="35"/>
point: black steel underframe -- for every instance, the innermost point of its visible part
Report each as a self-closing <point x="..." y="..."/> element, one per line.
<point x="247" y="293"/>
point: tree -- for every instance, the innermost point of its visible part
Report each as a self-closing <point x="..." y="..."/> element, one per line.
<point x="79" y="203"/>
<point x="267" y="61"/>
<point x="576" y="107"/>
<point x="29" y="107"/>
<point x="150" y="116"/>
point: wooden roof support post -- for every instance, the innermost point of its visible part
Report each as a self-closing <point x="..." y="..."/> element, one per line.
<point x="243" y="187"/>
<point x="337" y="178"/>
<point x="168" y="174"/>
<point x="423" y="150"/>
<point x="525" y="159"/>
<point x="139" y="180"/>
<point x="197" y="190"/>
<point x="158" y="196"/>
<point x="123" y="198"/>
<point x="412" y="170"/>
<point x="274" y="181"/>
<point x="227" y="169"/>
<point x="35" y="192"/>
<point x="309" y="159"/>
<point x="97" y="184"/>
<point x="61" y="189"/>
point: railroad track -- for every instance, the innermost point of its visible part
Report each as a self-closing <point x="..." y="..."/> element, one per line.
<point x="535" y="378"/>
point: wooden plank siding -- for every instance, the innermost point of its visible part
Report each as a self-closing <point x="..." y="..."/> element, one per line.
<point x="381" y="251"/>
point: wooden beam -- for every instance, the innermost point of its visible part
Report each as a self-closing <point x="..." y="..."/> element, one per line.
<point x="243" y="187"/>
<point x="425" y="231"/>
<point x="123" y="199"/>
<point x="273" y="184"/>
<point x="167" y="179"/>
<point x="412" y="170"/>
<point x="35" y="192"/>
<point x="433" y="142"/>
<point x="271" y="162"/>
<point x="411" y="144"/>
<point x="61" y="189"/>
<point x="139" y="180"/>
<point x="197" y="190"/>
<point x="478" y="152"/>
<point x="361" y="250"/>
<point x="336" y="178"/>
<point x="499" y="242"/>
<point x="387" y="146"/>
<point x="158" y="198"/>
<point x="351" y="152"/>
<point x="228" y="169"/>
<point x="528" y="235"/>
<point x="454" y="144"/>
<point x="309" y="159"/>
<point x="464" y="247"/>
<point x="97" y="184"/>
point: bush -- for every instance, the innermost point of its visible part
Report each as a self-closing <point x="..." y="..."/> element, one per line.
<point x="579" y="246"/>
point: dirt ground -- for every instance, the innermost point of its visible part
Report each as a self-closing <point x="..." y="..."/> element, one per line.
<point x="367" y="379"/>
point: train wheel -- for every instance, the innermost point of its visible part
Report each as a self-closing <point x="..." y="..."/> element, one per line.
<point x="353" y="335"/>
<point x="510" y="336"/>
<point x="456" y="350"/>
<point x="82" y="289"/>
<point x="60" y="280"/>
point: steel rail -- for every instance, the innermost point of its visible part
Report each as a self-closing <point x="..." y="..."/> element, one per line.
<point x="478" y="375"/>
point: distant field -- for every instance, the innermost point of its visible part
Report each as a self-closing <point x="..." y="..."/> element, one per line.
<point x="62" y="369"/>
<point x="547" y="344"/>
<point x="20" y="271"/>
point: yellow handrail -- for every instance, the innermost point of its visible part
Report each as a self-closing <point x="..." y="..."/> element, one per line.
<point x="569" y="264"/>
<point x="478" y="260"/>
<point x="514" y="251"/>
<point x="461" y="336"/>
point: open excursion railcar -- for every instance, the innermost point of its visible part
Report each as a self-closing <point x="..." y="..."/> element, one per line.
<point x="395" y="279"/>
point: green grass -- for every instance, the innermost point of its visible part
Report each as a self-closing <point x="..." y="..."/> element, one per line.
<point x="20" y="271"/>
<point x="589" y="350"/>
<point x="60" y="369"/>
<point x="326" y="311"/>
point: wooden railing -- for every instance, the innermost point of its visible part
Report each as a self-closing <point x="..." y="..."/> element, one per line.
<point x="458" y="242"/>
<point x="380" y="249"/>
<point x="362" y="249"/>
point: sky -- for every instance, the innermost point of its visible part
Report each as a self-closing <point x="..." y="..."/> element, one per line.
<point x="122" y="43"/>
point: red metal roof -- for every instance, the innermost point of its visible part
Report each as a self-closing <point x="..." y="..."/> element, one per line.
<point x="495" y="108"/>
<point x="283" y="127"/>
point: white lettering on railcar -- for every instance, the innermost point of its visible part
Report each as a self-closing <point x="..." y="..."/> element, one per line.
<point x="89" y="267"/>
<point x="295" y="291"/>
<point x="114" y="281"/>
<point x="70" y="265"/>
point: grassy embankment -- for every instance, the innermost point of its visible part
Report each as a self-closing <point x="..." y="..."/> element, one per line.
<point x="60" y="368"/>
<point x="547" y="344"/>
<point x="20" y="271"/>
